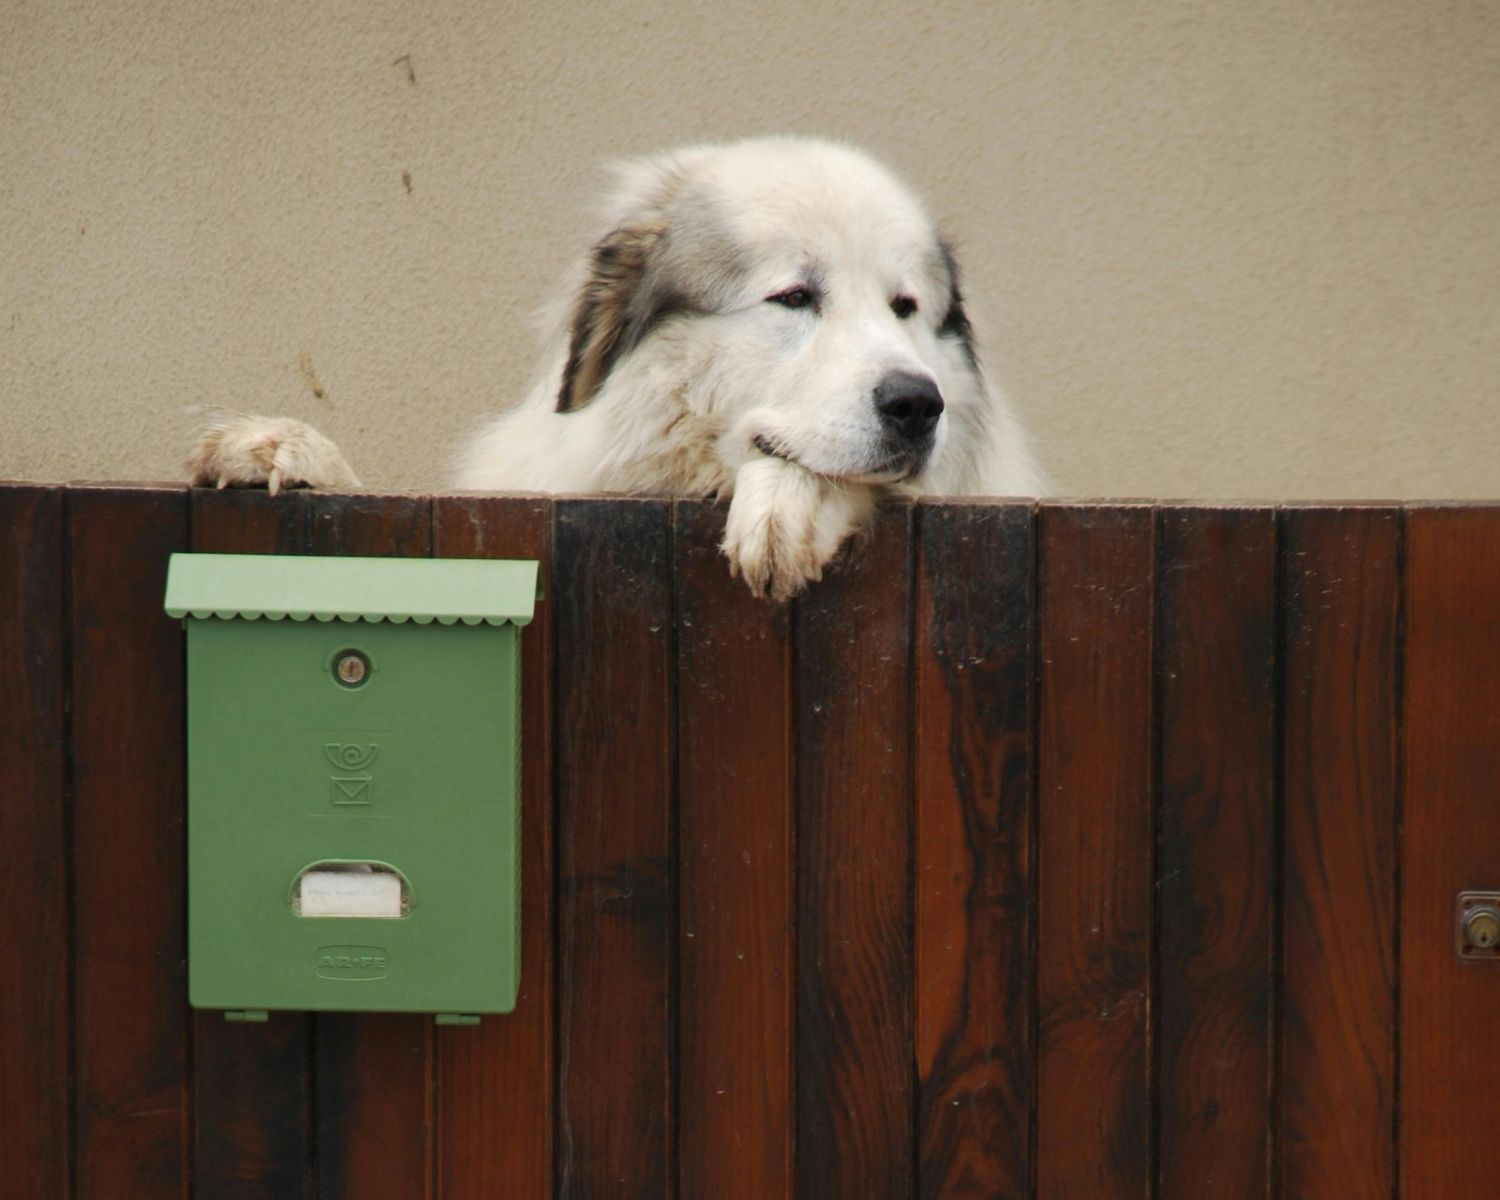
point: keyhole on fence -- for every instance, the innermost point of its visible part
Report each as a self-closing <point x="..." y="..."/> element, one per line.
<point x="1483" y="927"/>
<point x="1479" y="925"/>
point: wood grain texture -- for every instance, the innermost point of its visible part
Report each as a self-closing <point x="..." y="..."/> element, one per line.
<point x="372" y="1072"/>
<point x="34" y="925"/>
<point x="1341" y="572"/>
<point x="131" y="1076"/>
<point x="854" y="1119"/>
<point x="1216" y="640"/>
<point x="252" y="1083"/>
<point x="495" y="1098"/>
<point x="869" y="749"/>
<point x="617" y="925"/>
<point x="1095" y="801"/>
<point x="1450" y="1054"/>
<point x="974" y="815"/>
<point x="735" y="769"/>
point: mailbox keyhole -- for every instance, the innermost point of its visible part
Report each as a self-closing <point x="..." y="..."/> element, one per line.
<point x="351" y="668"/>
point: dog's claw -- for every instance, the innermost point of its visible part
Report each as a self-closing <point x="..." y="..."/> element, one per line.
<point x="248" y="451"/>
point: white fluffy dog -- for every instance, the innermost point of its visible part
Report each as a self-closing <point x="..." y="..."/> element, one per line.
<point x="776" y="321"/>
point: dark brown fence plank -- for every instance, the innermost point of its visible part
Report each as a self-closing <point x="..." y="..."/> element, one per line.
<point x="1450" y="1055"/>
<point x="854" y="881"/>
<point x="974" y="921"/>
<point x="616" y="920"/>
<point x="494" y="1116"/>
<point x="372" y="1074"/>
<point x="1342" y="594"/>
<point x="735" y="763"/>
<point x="34" y="933"/>
<point x="252" y="1093"/>
<point x="1216" y="637"/>
<point x="1096" y="845"/>
<point x="131" y="1033"/>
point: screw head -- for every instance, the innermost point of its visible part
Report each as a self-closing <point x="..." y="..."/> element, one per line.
<point x="351" y="668"/>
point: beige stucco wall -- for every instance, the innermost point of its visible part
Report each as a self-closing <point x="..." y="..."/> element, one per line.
<point x="1215" y="249"/>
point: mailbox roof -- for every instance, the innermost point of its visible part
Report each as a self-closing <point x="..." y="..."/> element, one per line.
<point x="299" y="588"/>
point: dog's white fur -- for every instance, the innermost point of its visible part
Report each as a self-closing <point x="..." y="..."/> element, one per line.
<point x="688" y="362"/>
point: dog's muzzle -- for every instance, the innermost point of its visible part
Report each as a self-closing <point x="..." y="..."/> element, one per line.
<point x="909" y="407"/>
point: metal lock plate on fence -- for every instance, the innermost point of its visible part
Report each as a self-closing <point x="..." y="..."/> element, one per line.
<point x="1478" y="925"/>
<point x="353" y="782"/>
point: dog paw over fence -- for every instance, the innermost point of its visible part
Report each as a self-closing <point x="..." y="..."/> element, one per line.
<point x="1106" y="850"/>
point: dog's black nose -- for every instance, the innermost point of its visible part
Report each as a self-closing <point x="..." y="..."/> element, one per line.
<point x="909" y="405"/>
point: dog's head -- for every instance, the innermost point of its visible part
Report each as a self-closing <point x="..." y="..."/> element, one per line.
<point x="794" y="294"/>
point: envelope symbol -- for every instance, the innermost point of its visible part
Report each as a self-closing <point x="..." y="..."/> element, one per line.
<point x="351" y="789"/>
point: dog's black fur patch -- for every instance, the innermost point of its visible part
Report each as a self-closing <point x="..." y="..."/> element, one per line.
<point x="955" y="323"/>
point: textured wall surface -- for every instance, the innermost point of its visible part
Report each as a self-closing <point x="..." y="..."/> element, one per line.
<point x="1215" y="250"/>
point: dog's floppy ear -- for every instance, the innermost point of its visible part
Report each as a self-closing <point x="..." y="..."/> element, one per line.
<point x="612" y="312"/>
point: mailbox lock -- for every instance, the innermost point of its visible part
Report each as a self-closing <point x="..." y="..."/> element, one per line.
<point x="351" y="668"/>
<point x="1479" y="925"/>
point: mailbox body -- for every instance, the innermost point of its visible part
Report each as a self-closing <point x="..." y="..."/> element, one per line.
<point x="412" y="771"/>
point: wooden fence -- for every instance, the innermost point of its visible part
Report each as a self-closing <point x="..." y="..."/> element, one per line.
<point x="1073" y="851"/>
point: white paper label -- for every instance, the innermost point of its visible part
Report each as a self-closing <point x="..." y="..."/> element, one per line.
<point x="350" y="894"/>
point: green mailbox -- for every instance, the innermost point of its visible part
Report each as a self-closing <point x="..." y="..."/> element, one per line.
<point x="353" y="782"/>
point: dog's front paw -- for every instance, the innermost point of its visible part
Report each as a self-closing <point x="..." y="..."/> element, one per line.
<point x="241" y="450"/>
<point x="785" y="524"/>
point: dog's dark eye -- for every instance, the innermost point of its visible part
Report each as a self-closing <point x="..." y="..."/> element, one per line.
<point x="793" y="298"/>
<point x="903" y="306"/>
